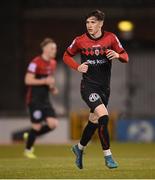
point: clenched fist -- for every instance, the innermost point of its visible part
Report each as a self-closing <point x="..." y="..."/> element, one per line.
<point x="83" y="68"/>
<point x="111" y="54"/>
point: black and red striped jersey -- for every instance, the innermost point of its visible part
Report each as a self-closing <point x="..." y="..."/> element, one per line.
<point x="93" y="51"/>
<point x="41" y="69"/>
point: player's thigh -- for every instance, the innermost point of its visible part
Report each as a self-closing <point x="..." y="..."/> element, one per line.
<point x="50" y="115"/>
<point x="52" y="122"/>
<point x="100" y="110"/>
<point x="90" y="94"/>
<point x="36" y="116"/>
<point x="105" y="94"/>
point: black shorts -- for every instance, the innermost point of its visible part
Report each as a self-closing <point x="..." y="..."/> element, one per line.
<point x="39" y="113"/>
<point x="94" y="94"/>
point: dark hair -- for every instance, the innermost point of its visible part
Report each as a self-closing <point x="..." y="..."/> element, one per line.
<point x="46" y="41"/>
<point x="98" y="14"/>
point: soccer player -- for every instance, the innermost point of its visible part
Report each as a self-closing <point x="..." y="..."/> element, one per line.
<point x="40" y="81"/>
<point x="98" y="49"/>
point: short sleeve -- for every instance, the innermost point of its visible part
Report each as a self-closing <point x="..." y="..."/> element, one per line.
<point x="73" y="49"/>
<point x="32" y="67"/>
<point x="116" y="45"/>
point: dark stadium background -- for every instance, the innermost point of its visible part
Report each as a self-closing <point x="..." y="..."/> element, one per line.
<point x="24" y="23"/>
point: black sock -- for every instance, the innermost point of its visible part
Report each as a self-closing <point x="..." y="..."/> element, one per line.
<point x="45" y="129"/>
<point x="31" y="138"/>
<point x="88" y="132"/>
<point x="103" y="132"/>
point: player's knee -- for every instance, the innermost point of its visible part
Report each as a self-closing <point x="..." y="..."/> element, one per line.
<point x="93" y="118"/>
<point x="52" y="123"/>
<point x="36" y="127"/>
<point x="55" y="123"/>
<point x="95" y="121"/>
<point x="103" y="120"/>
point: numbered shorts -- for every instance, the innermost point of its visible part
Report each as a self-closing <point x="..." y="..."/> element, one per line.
<point x="39" y="113"/>
<point x="94" y="95"/>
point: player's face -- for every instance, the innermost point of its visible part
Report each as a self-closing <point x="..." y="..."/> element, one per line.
<point x="93" y="25"/>
<point x="50" y="50"/>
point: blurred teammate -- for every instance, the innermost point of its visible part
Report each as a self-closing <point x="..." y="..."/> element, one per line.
<point x="40" y="81"/>
<point x="98" y="49"/>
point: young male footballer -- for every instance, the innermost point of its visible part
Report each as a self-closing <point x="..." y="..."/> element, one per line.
<point x="98" y="49"/>
<point x="40" y="81"/>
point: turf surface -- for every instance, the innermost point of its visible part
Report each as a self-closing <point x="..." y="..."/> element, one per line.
<point x="57" y="161"/>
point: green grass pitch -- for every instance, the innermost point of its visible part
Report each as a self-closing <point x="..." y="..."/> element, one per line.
<point x="57" y="161"/>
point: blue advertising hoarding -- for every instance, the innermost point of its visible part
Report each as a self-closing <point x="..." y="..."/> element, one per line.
<point x="135" y="130"/>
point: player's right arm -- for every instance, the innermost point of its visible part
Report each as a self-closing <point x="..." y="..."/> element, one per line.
<point x="30" y="78"/>
<point x="68" y="59"/>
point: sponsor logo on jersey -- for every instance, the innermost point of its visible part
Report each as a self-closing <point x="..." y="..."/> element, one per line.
<point x="97" y="61"/>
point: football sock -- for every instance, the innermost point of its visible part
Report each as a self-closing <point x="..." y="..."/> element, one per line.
<point x="80" y="146"/>
<point x="103" y="132"/>
<point x="88" y="132"/>
<point x="31" y="138"/>
<point x="45" y="129"/>
<point x="107" y="152"/>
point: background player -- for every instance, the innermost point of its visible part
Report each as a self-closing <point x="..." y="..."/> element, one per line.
<point x="97" y="48"/>
<point x="40" y="80"/>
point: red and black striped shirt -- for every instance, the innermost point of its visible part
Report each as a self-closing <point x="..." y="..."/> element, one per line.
<point x="93" y="51"/>
<point x="41" y="69"/>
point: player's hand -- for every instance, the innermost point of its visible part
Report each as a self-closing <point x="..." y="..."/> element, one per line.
<point x="50" y="81"/>
<point x="83" y="68"/>
<point x="111" y="54"/>
<point x="54" y="90"/>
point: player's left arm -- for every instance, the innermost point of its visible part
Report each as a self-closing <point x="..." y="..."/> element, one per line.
<point x="117" y="51"/>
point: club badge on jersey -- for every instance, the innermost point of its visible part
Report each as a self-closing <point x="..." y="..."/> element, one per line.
<point x="97" y="52"/>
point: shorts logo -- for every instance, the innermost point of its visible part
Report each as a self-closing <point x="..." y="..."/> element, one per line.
<point x="93" y="97"/>
<point x="37" y="114"/>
